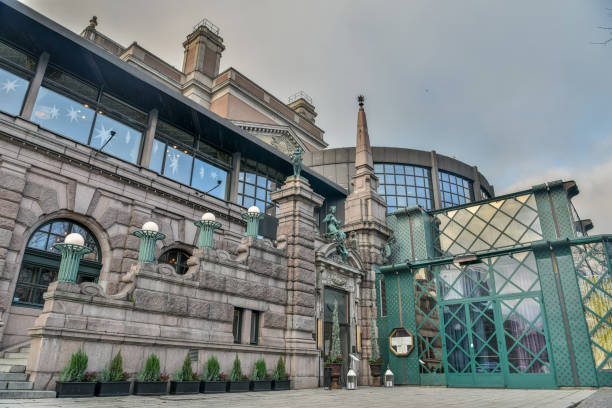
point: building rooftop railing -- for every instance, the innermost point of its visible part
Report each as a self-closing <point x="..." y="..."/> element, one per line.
<point x="300" y="95"/>
<point x="208" y="24"/>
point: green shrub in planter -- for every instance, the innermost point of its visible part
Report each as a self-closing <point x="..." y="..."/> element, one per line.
<point x="280" y="376"/>
<point x="214" y="381"/>
<point x="238" y="382"/>
<point x="113" y="381"/>
<point x="73" y="380"/>
<point x="185" y="380"/>
<point x="150" y="380"/>
<point x="260" y="380"/>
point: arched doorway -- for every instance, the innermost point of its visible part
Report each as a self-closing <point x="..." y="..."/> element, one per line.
<point x="41" y="261"/>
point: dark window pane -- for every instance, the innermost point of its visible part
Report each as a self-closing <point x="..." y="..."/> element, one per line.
<point x="22" y="293"/>
<point x="46" y="276"/>
<point x="175" y="134"/>
<point x="124" y="143"/>
<point x="72" y="83"/>
<point x="254" y="327"/>
<point x="117" y="106"/>
<point x="12" y="92"/>
<point x="63" y="115"/>
<point x="17" y="57"/>
<point x="178" y="165"/>
<point x="237" y="325"/>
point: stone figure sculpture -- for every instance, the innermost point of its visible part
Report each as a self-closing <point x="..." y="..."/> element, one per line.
<point x="334" y="232"/>
<point x="296" y="159"/>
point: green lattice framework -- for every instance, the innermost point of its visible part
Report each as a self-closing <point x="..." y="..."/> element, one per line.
<point x="572" y="339"/>
<point x="592" y="264"/>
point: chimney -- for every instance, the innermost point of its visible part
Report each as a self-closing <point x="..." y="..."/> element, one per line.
<point x="301" y="103"/>
<point x="203" y="49"/>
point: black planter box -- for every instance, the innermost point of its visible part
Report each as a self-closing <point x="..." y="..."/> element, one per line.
<point x="281" y="385"/>
<point x="184" y="387"/>
<point x="75" y="389"/>
<point x="113" y="389"/>
<point x="261" y="385"/>
<point x="238" y="386"/>
<point x="213" y="387"/>
<point x="150" y="388"/>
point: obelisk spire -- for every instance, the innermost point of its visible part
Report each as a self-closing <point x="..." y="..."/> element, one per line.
<point x="363" y="150"/>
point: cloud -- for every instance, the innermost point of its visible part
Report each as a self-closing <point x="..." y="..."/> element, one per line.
<point x="595" y="198"/>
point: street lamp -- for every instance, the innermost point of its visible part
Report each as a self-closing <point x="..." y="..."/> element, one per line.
<point x="73" y="248"/>
<point x="252" y="217"/>
<point x="149" y="234"/>
<point x="208" y="224"/>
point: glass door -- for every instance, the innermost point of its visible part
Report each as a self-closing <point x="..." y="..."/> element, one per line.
<point x="332" y="297"/>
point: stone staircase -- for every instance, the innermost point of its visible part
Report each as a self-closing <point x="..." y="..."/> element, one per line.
<point x="13" y="378"/>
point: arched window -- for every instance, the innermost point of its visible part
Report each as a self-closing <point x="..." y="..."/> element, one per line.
<point x="177" y="258"/>
<point x="41" y="261"/>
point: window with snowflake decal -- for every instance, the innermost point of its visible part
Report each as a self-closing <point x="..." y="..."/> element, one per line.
<point x="15" y="70"/>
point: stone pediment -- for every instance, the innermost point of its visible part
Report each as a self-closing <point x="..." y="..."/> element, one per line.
<point x="281" y="138"/>
<point x="327" y="254"/>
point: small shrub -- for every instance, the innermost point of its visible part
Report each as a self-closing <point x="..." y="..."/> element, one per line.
<point x="259" y="370"/>
<point x="75" y="370"/>
<point x="212" y="369"/>
<point x="280" y="373"/>
<point x="151" y="370"/>
<point x="185" y="373"/>
<point x="236" y="373"/>
<point x="116" y="372"/>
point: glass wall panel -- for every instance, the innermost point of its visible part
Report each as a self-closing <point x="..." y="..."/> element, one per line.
<point x="404" y="185"/>
<point x="209" y="178"/>
<point x="63" y="115"/>
<point x="454" y="190"/>
<point x="178" y="165"/>
<point x="71" y="84"/>
<point x="17" y="58"/>
<point x="115" y="138"/>
<point x="593" y="271"/>
<point x="12" y="92"/>
<point x="256" y="182"/>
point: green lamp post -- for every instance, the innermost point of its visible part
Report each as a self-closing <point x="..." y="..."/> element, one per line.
<point x="73" y="248"/>
<point x="252" y="217"/>
<point x="149" y="234"/>
<point x="207" y="226"/>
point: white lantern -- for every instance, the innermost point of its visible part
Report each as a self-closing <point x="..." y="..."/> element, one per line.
<point x="253" y="210"/>
<point x="150" y="226"/>
<point x="208" y="217"/>
<point x="389" y="382"/>
<point x="74" y="239"/>
<point x="351" y="380"/>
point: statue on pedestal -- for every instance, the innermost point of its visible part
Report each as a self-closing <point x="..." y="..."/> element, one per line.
<point x="334" y="232"/>
<point x="296" y="160"/>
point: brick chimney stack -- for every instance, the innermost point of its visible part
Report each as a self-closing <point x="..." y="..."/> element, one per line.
<point x="203" y="49"/>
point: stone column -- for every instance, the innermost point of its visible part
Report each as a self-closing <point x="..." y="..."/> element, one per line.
<point x="30" y="99"/>
<point x="434" y="181"/>
<point x="149" y="135"/>
<point x="476" y="184"/>
<point x="233" y="193"/>
<point x="296" y="221"/>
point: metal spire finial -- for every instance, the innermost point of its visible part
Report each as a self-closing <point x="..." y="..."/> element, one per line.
<point x="360" y="100"/>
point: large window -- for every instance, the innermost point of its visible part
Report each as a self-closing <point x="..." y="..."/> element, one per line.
<point x="178" y="155"/>
<point x="255" y="184"/>
<point x="16" y="69"/>
<point x="41" y="261"/>
<point x="176" y="258"/>
<point x="404" y="185"/>
<point x="79" y="111"/>
<point x="237" y="325"/>
<point x="254" y="327"/>
<point x="454" y="190"/>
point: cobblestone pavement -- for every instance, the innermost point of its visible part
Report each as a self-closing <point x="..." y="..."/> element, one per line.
<point x="363" y="397"/>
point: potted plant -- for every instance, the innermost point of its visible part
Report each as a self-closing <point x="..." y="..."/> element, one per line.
<point x="237" y="381"/>
<point x="214" y="381"/>
<point x="334" y="360"/>
<point x="185" y="380"/>
<point x="375" y="359"/>
<point x="113" y="381"/>
<point x="279" y="375"/>
<point x="150" y="380"/>
<point x="74" y="382"/>
<point x="260" y="381"/>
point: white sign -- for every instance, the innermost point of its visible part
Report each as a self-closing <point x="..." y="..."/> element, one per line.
<point x="401" y="344"/>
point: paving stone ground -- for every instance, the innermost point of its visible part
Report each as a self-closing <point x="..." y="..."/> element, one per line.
<point x="370" y="397"/>
<point x="600" y="399"/>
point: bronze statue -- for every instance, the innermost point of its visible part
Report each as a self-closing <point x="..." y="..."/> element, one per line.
<point x="296" y="159"/>
<point x="334" y="232"/>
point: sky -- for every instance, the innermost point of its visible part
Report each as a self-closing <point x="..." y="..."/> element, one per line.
<point x="517" y="88"/>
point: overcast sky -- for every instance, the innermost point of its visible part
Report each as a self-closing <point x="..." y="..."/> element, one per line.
<point x="514" y="87"/>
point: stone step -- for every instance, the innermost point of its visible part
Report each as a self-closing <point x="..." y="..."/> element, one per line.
<point x="13" y="361"/>
<point x="20" y="385"/>
<point x="21" y="355"/>
<point x="12" y="368"/>
<point x="24" y="350"/>
<point x="13" y="377"/>
<point x="22" y="394"/>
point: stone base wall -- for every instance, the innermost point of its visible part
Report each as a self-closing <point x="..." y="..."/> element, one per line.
<point x="167" y="314"/>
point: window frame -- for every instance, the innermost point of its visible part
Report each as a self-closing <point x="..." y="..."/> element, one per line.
<point x="237" y="328"/>
<point x="255" y="319"/>
<point x="180" y="254"/>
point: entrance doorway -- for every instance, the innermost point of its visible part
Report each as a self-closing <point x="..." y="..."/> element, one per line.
<point x="330" y="297"/>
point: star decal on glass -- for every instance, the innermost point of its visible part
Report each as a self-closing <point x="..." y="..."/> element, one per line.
<point x="54" y="112"/>
<point x="73" y="114"/>
<point x="9" y="86"/>
<point x="213" y="175"/>
<point x="103" y="134"/>
<point x="174" y="158"/>
<point x="201" y="172"/>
